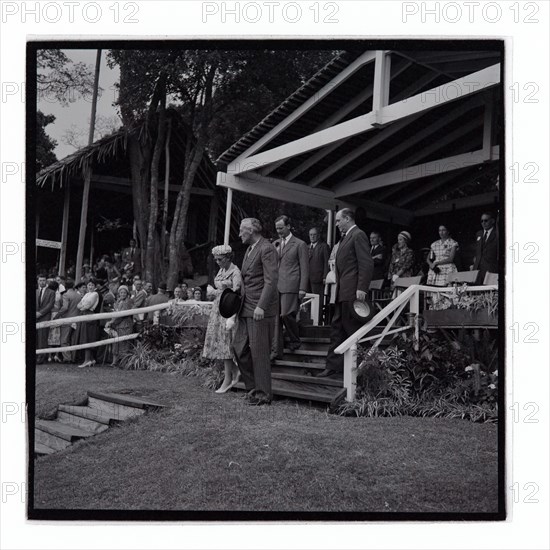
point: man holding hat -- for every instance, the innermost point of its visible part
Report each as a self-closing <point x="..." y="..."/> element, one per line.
<point x="354" y="267"/>
<point x="256" y="321"/>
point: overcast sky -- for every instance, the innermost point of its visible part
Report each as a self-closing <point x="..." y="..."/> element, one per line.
<point x="78" y="112"/>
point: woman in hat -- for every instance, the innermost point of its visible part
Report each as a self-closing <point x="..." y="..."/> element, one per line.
<point x="402" y="258"/>
<point x="217" y="344"/>
<point x="122" y="325"/>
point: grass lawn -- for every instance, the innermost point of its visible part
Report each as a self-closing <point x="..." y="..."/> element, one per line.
<point x="212" y="452"/>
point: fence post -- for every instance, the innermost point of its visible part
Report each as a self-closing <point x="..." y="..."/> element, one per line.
<point x="350" y="372"/>
<point x="415" y="308"/>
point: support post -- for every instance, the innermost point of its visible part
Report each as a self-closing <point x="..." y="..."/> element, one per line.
<point x="228" y="205"/>
<point x="350" y="372"/>
<point x="415" y="309"/>
<point x="330" y="229"/>
<point x="65" y="229"/>
<point x="87" y="177"/>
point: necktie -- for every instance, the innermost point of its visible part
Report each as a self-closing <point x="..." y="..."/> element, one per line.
<point x="485" y="236"/>
<point x="372" y="249"/>
<point x="282" y="246"/>
<point x="41" y="296"/>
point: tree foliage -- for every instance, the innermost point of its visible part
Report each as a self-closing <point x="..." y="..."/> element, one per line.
<point x="59" y="79"/>
<point x="45" y="145"/>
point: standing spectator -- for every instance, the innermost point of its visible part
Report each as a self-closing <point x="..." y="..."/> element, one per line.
<point x="54" y="340"/>
<point x="486" y="258"/>
<point x="218" y="339"/>
<point x="330" y="281"/>
<point x="256" y="321"/>
<point x="441" y="258"/>
<point x="161" y="297"/>
<point x="353" y="276"/>
<point x="45" y="300"/>
<point x="131" y="258"/>
<point x="60" y="280"/>
<point x="89" y="331"/>
<point x="293" y="282"/>
<point x="139" y="298"/>
<point x="117" y="261"/>
<point x="197" y="294"/>
<point x="402" y="258"/>
<point x="379" y="256"/>
<point x="69" y="308"/>
<point x="122" y="325"/>
<point x="318" y="266"/>
<point x="185" y="288"/>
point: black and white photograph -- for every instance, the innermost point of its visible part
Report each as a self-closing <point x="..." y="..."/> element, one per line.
<point x="266" y="279"/>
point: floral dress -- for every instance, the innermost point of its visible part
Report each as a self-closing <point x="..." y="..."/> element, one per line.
<point x="401" y="263"/>
<point x="217" y="344"/>
<point x="441" y="250"/>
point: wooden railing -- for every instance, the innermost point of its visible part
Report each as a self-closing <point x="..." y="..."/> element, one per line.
<point x="409" y="297"/>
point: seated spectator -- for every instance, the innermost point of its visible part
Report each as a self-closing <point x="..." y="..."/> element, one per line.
<point x="197" y="294"/>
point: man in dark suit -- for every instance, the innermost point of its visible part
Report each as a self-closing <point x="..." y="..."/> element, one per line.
<point x="131" y="257"/>
<point x="354" y="267"/>
<point x="486" y="258"/>
<point x="293" y="282"/>
<point x="45" y="300"/>
<point x="252" y="342"/>
<point x="319" y="253"/>
<point x="68" y="309"/>
<point x="379" y="256"/>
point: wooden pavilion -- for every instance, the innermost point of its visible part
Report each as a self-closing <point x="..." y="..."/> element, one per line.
<point x="405" y="134"/>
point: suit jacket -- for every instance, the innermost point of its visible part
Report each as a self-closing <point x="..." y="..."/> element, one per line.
<point x="139" y="298"/>
<point x="71" y="298"/>
<point x="128" y="257"/>
<point x="45" y="307"/>
<point x="487" y="253"/>
<point x="260" y="275"/>
<point x="380" y="264"/>
<point x="293" y="266"/>
<point x="318" y="262"/>
<point x="354" y="265"/>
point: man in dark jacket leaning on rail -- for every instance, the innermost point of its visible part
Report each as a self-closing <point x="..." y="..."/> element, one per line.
<point x="354" y="267"/>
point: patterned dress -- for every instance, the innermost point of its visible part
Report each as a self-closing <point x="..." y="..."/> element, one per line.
<point x="401" y="263"/>
<point x="217" y="344"/>
<point x="441" y="250"/>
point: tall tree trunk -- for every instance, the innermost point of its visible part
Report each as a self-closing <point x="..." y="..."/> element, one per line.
<point x="152" y="252"/>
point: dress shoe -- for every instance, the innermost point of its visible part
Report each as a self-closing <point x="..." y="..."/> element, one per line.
<point x="259" y="401"/>
<point x="325" y="373"/>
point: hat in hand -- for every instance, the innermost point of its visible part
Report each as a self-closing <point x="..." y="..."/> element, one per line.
<point x="363" y="310"/>
<point x="230" y="303"/>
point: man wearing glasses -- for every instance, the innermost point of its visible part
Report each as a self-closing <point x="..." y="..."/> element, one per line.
<point x="486" y="258"/>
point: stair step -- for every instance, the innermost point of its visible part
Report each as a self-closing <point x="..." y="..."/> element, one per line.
<point x="293" y="377"/>
<point x="90" y="413"/>
<point x="314" y="365"/>
<point x="312" y="340"/>
<point x="51" y="441"/>
<point x="80" y="422"/>
<point x="61" y="430"/>
<point x="307" y="352"/>
<point x="120" y="412"/>
<point x="302" y="390"/>
<point x="41" y="449"/>
<point x="126" y="400"/>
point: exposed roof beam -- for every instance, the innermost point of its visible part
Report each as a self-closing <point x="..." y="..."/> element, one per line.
<point x="443" y="57"/>
<point x="458" y="204"/>
<point x="425" y="101"/>
<point x="110" y="181"/>
<point x="418" y="192"/>
<point x="336" y="117"/>
<point x="384" y="212"/>
<point x="280" y="190"/>
<point x="457" y="112"/>
<point x="381" y="86"/>
<point x="410" y="173"/>
<point x="327" y="89"/>
<point x="424" y="64"/>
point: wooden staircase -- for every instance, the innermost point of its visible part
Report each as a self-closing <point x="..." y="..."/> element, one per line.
<point x="292" y="375"/>
<point x="74" y="423"/>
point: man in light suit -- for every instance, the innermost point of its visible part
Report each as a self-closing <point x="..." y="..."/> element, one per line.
<point x="131" y="256"/>
<point x="318" y="266"/>
<point x="71" y="298"/>
<point x="293" y="282"/>
<point x="486" y="258"/>
<point x="354" y="267"/>
<point x="45" y="300"/>
<point x="252" y="342"/>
